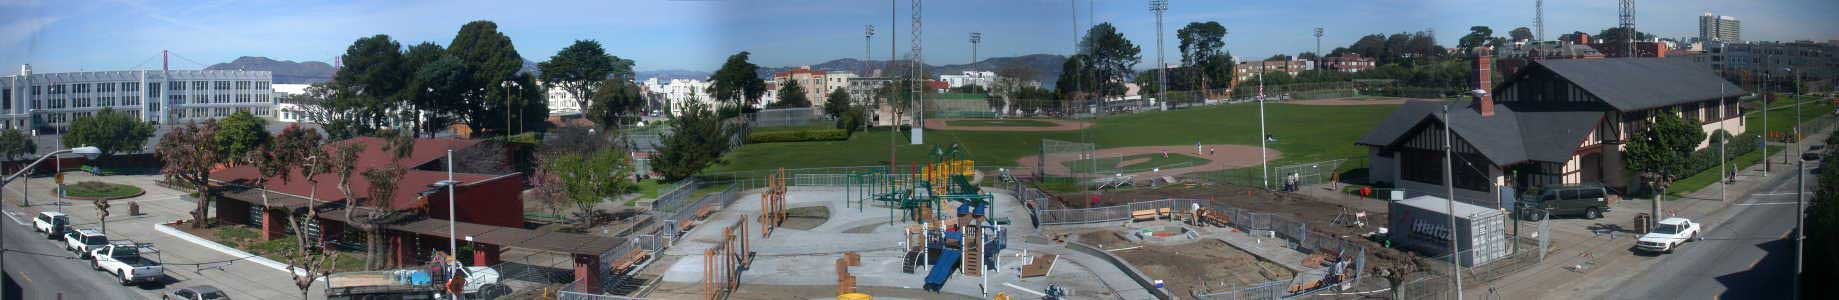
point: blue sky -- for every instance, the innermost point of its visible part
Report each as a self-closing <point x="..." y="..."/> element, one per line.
<point x="72" y="35"/>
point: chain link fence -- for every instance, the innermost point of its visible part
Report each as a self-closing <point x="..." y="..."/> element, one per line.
<point x="778" y="117"/>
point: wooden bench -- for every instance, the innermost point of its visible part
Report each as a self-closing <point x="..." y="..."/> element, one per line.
<point x="704" y="212"/>
<point x="1214" y="217"/>
<point x="684" y="228"/>
<point x="1151" y="214"/>
<point x="625" y="262"/>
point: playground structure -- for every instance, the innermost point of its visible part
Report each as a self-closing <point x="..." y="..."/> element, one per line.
<point x="722" y="265"/>
<point x="772" y="203"/>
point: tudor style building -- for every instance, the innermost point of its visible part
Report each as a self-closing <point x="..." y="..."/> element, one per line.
<point x="1552" y="122"/>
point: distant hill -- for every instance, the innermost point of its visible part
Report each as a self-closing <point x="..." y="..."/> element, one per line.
<point x="285" y="71"/>
<point x="1045" y="66"/>
<point x="667" y="75"/>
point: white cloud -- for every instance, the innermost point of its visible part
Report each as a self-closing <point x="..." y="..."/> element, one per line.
<point x="12" y="34"/>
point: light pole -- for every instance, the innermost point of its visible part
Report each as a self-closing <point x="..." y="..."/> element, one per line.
<point x="1449" y="183"/>
<point x="507" y="84"/>
<point x="87" y="152"/>
<point x="1162" y="78"/>
<point x="868" y="39"/>
<point x="1723" y="138"/>
<point x="1800" y="225"/>
<point x="1318" y="44"/>
<point x="1264" y="156"/>
<point x="976" y="37"/>
<point x="1765" y="122"/>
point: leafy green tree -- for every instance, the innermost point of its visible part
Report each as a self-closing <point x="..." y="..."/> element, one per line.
<point x="1279" y="56"/>
<point x="239" y="134"/>
<point x="614" y="100"/>
<point x="1521" y="34"/>
<point x="498" y="96"/>
<point x="1661" y="153"/>
<point x="369" y="83"/>
<point x="1618" y="35"/>
<point x="188" y="156"/>
<point x="791" y="95"/>
<point x="434" y="78"/>
<point x="109" y="130"/>
<point x="15" y="144"/>
<point x="1111" y="57"/>
<point x="1203" y="47"/>
<point x="737" y="82"/>
<point x="836" y="103"/>
<point x="1477" y="37"/>
<point x="1074" y="79"/>
<point x="580" y="69"/>
<point x="697" y="139"/>
<point x="589" y="179"/>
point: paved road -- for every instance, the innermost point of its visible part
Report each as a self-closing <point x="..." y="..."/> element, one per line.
<point x="1751" y="256"/>
<point x="43" y="270"/>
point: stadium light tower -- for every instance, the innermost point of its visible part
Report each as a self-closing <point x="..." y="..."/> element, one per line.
<point x="1162" y="76"/>
<point x="1318" y="43"/>
<point x="868" y="37"/>
<point x="976" y="37"/>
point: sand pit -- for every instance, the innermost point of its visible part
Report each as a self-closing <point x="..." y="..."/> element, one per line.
<point x="1185" y="266"/>
<point x="1059" y="125"/>
<point x="1357" y="101"/>
<point x="1223" y="157"/>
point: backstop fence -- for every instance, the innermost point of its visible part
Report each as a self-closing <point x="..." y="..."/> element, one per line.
<point x="776" y="117"/>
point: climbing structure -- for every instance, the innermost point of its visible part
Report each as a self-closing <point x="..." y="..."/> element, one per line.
<point x="772" y="203"/>
<point x="723" y="263"/>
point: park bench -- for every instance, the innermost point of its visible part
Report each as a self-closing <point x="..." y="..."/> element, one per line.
<point x="211" y="266"/>
<point x="1150" y="214"/>
<point x="625" y="262"/>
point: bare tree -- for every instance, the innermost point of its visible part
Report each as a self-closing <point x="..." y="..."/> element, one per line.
<point x="188" y="156"/>
<point x="309" y="265"/>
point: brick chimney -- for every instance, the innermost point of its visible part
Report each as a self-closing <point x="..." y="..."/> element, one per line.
<point x="1583" y="38"/>
<point x="1483" y="69"/>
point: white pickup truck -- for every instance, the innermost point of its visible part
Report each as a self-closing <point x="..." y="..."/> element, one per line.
<point x="126" y="262"/>
<point x="82" y="241"/>
<point x="1668" y="235"/>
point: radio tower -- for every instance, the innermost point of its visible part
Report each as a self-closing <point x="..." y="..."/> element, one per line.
<point x="1539" y="19"/>
<point x="919" y="81"/>
<point x="1628" y="26"/>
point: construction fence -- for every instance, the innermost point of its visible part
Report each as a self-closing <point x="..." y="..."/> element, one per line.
<point x="1296" y="233"/>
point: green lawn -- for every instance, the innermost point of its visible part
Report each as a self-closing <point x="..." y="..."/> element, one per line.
<point x="1307" y="133"/>
<point x="1116" y="164"/>
<point x="101" y="190"/>
<point x="1781" y="118"/>
<point x="1707" y="178"/>
<point x="1009" y="122"/>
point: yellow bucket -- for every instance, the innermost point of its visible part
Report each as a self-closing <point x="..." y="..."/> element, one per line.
<point x="854" y="296"/>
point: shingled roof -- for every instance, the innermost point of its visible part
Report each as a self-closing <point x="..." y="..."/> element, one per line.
<point x="1633" y="84"/>
<point x="1510" y="136"/>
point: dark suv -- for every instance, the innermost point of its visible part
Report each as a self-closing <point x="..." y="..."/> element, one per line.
<point x="1588" y="200"/>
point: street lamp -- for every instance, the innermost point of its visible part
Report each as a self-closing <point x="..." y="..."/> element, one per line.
<point x="453" y="244"/>
<point x="88" y="152"/>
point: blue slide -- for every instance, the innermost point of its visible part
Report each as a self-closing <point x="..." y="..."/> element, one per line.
<point x="948" y="262"/>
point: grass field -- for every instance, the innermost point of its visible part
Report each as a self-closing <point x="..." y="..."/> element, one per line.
<point x="1307" y="133"/>
<point x="1117" y="164"/>
<point x="1710" y="177"/>
<point x="995" y="122"/>
<point x="1781" y="118"/>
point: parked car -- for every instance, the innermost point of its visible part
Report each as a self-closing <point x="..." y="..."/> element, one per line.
<point x="1810" y="156"/>
<point x="83" y="240"/>
<point x="51" y="223"/>
<point x="1588" y="200"/>
<point x="127" y="261"/>
<point x="202" y="292"/>
<point x="1668" y="235"/>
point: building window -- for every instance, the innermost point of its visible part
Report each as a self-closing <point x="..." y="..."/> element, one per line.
<point x="200" y="85"/>
<point x="221" y="85"/>
<point x="106" y="101"/>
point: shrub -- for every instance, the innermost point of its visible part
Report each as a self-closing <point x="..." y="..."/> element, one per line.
<point x="798" y="136"/>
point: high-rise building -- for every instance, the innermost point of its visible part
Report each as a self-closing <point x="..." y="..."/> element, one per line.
<point x="1720" y="28"/>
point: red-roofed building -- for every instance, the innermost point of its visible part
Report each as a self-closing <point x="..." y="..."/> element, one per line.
<point x="488" y="193"/>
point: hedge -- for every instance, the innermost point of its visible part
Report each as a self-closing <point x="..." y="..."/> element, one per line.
<point x="798" y="136"/>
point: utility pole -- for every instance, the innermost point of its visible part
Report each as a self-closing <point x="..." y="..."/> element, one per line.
<point x="919" y="81"/>
<point x="1765" y="121"/>
<point x="893" y="114"/>
<point x="1449" y="183"/>
<point x="1800" y="225"/>
<point x="1539" y="19"/>
<point x="1162" y="80"/>
<point x="1723" y="138"/>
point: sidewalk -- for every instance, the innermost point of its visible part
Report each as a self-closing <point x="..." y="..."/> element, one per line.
<point x="183" y="260"/>
<point x="1606" y="264"/>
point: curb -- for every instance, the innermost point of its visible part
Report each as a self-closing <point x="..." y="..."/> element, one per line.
<point x="220" y="248"/>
